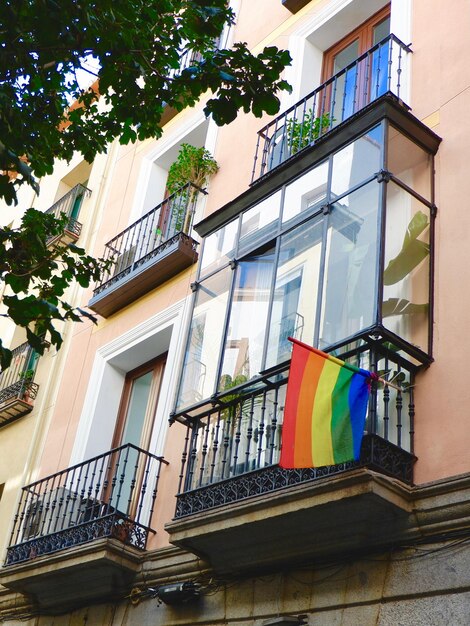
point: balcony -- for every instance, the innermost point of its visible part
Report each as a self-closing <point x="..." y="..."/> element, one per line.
<point x="17" y="389"/>
<point x="78" y="534"/>
<point x="69" y="205"/>
<point x="239" y="510"/>
<point x="149" y="252"/>
<point x="311" y="120"/>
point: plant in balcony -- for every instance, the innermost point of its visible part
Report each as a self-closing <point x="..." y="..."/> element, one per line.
<point x="26" y="377"/>
<point x="192" y="165"/>
<point x="303" y="131"/>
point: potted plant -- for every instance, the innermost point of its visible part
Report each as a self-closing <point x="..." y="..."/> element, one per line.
<point x="192" y="165"/>
<point x="26" y="377"/>
<point x="301" y="132"/>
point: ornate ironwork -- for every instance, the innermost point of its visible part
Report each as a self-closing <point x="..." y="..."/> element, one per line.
<point x="376" y="454"/>
<point x="168" y="225"/>
<point x="110" y="495"/>
<point x="115" y="526"/>
<point x="374" y="73"/>
<point x="19" y="390"/>
<point x="232" y="447"/>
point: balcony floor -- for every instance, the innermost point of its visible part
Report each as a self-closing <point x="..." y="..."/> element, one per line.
<point x="69" y="579"/>
<point x="271" y="517"/>
<point x="145" y="274"/>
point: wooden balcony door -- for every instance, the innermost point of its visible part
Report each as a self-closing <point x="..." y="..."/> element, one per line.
<point x="364" y="81"/>
<point x="134" y="425"/>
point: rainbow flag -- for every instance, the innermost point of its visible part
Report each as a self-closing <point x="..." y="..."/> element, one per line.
<point x="325" y="409"/>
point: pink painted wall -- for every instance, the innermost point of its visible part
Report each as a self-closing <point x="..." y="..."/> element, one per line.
<point x="441" y="82"/>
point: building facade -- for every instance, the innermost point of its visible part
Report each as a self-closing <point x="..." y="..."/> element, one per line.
<point x="141" y="483"/>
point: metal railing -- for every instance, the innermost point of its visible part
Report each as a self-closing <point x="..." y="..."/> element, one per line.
<point x="17" y="380"/>
<point x="374" y="73"/>
<point x="242" y="432"/>
<point x="143" y="239"/>
<point x="70" y="205"/>
<point x="111" y="495"/>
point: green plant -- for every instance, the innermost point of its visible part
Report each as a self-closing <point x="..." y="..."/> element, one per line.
<point x="301" y="132"/>
<point x="26" y="375"/>
<point x="192" y="165"/>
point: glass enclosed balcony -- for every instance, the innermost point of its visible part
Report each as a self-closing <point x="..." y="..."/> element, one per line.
<point x="150" y="251"/>
<point x="341" y="253"/>
<point x="335" y="250"/>
<point x="17" y="387"/>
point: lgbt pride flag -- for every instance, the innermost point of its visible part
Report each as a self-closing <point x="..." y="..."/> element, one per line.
<point x="325" y="410"/>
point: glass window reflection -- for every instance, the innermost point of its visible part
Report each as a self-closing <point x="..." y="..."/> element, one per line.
<point x="349" y="288"/>
<point x="243" y="348"/>
<point x="205" y="338"/>
<point x="296" y="291"/>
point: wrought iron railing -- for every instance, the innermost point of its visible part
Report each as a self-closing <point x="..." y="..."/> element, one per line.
<point x="374" y="73"/>
<point x="151" y="234"/>
<point x="232" y="449"/>
<point x="70" y="205"/>
<point x="111" y="495"/>
<point x="17" y="380"/>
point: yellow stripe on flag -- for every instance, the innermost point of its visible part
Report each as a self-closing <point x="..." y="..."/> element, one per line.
<point x="322" y="445"/>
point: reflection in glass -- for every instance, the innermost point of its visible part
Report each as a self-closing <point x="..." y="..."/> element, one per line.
<point x="202" y="354"/>
<point x="137" y="409"/>
<point x="345" y="87"/>
<point x="296" y="291"/>
<point x="260" y="223"/>
<point x="357" y="161"/>
<point x="248" y="316"/>
<point x="405" y="305"/>
<point x="307" y="193"/>
<point x="219" y="248"/>
<point x="409" y="163"/>
<point x="349" y="288"/>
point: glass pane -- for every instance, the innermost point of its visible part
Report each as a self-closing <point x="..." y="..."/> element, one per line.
<point x="219" y="248"/>
<point x="137" y="409"/>
<point x="344" y="88"/>
<point x="296" y="290"/>
<point x="405" y="307"/>
<point x="381" y="31"/>
<point x="247" y="327"/>
<point x="259" y="224"/>
<point x="349" y="289"/>
<point x="357" y="161"/>
<point x="346" y="56"/>
<point x="307" y="193"/>
<point x="410" y="163"/>
<point x="202" y="354"/>
<point x="379" y="78"/>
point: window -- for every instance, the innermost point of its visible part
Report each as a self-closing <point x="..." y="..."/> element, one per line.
<point x="138" y="404"/>
<point x="337" y="255"/>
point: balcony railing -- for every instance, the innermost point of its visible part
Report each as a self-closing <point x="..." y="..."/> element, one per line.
<point x="112" y="495"/>
<point x="17" y="389"/>
<point x="231" y="450"/>
<point x="70" y="205"/>
<point x="374" y="73"/>
<point x="154" y="248"/>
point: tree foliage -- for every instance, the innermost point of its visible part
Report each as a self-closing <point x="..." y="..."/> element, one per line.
<point x="139" y="46"/>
